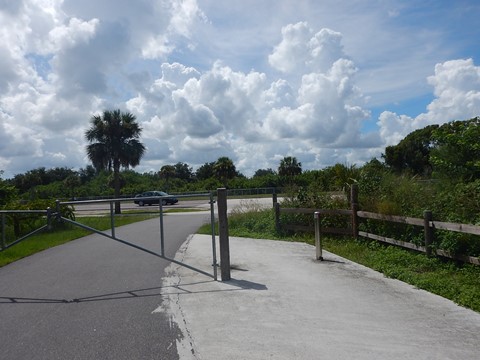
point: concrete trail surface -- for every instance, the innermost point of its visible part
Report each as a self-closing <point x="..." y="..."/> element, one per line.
<point x="283" y="304"/>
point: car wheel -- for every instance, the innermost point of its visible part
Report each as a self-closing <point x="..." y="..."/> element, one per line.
<point x="164" y="202"/>
<point x="140" y="203"/>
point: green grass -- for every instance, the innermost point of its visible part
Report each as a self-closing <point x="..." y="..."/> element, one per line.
<point x="455" y="281"/>
<point x="48" y="239"/>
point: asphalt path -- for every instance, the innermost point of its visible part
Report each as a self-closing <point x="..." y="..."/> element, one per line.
<point x="93" y="298"/>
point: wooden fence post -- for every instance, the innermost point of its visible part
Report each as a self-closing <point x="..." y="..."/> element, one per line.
<point x="277" y="217"/>
<point x="354" y="207"/>
<point x="428" y="231"/>
<point x="223" y="234"/>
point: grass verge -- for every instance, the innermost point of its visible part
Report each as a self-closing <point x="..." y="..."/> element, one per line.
<point x="61" y="235"/>
<point x="455" y="281"/>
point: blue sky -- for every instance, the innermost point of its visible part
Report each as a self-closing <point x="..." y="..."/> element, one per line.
<point x="325" y="81"/>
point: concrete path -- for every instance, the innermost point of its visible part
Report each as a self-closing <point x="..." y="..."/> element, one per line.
<point x="282" y="304"/>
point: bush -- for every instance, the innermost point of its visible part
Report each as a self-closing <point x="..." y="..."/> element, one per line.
<point x="449" y="201"/>
<point x="311" y="199"/>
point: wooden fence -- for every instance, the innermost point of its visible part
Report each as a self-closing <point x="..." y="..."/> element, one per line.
<point x="428" y="224"/>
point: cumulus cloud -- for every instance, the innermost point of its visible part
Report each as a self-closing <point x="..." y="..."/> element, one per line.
<point x="328" y="107"/>
<point x="252" y="119"/>
<point x="63" y="60"/>
<point x="68" y="35"/>
<point x="302" y="49"/>
<point x="456" y="86"/>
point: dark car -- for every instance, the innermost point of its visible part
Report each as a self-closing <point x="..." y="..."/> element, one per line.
<point x="153" y="197"/>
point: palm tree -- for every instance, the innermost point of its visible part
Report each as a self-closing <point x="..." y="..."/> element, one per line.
<point x="224" y="169"/>
<point x="289" y="166"/>
<point x="114" y="142"/>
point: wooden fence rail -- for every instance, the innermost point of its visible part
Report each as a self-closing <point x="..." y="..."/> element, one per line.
<point x="427" y="223"/>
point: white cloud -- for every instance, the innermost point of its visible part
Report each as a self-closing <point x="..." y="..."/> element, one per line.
<point x="67" y="36"/>
<point x="222" y="110"/>
<point x="197" y="121"/>
<point x="301" y="49"/>
<point x="456" y="86"/>
<point x="292" y="51"/>
<point x="252" y="81"/>
<point x="457" y="90"/>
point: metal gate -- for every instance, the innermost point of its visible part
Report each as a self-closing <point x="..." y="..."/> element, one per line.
<point x="47" y="214"/>
<point x="161" y="255"/>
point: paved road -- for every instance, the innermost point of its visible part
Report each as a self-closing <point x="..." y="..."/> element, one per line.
<point x="93" y="298"/>
<point x="101" y="208"/>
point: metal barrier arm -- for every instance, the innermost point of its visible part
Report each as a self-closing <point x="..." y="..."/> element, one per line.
<point x="47" y="212"/>
<point x="5" y="247"/>
<point x="135" y="246"/>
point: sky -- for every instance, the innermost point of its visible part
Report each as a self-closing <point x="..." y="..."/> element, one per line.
<point x="325" y="81"/>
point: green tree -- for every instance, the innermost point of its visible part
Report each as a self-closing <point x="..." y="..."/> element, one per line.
<point x="344" y="176"/>
<point x="412" y="154"/>
<point x="183" y="172"/>
<point x="206" y="171"/>
<point x="114" y="143"/>
<point x="7" y="192"/>
<point x="225" y="169"/>
<point x="58" y="174"/>
<point x="28" y="181"/>
<point x="71" y="183"/>
<point x="167" y="172"/>
<point x="264" y="172"/>
<point x="289" y="167"/>
<point x="456" y="150"/>
<point x="86" y="174"/>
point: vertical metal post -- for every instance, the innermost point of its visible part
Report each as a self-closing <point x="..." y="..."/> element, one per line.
<point x="318" y="240"/>
<point x="223" y="234"/>
<point x="112" y="219"/>
<point x="214" y="245"/>
<point x="162" y="236"/>
<point x="3" y="230"/>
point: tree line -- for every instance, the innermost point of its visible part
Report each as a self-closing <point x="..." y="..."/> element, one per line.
<point x="435" y="168"/>
<point x="451" y="150"/>
<point x="435" y="153"/>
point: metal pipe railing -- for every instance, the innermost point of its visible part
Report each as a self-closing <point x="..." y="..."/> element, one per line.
<point x="58" y="215"/>
<point x="318" y="239"/>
